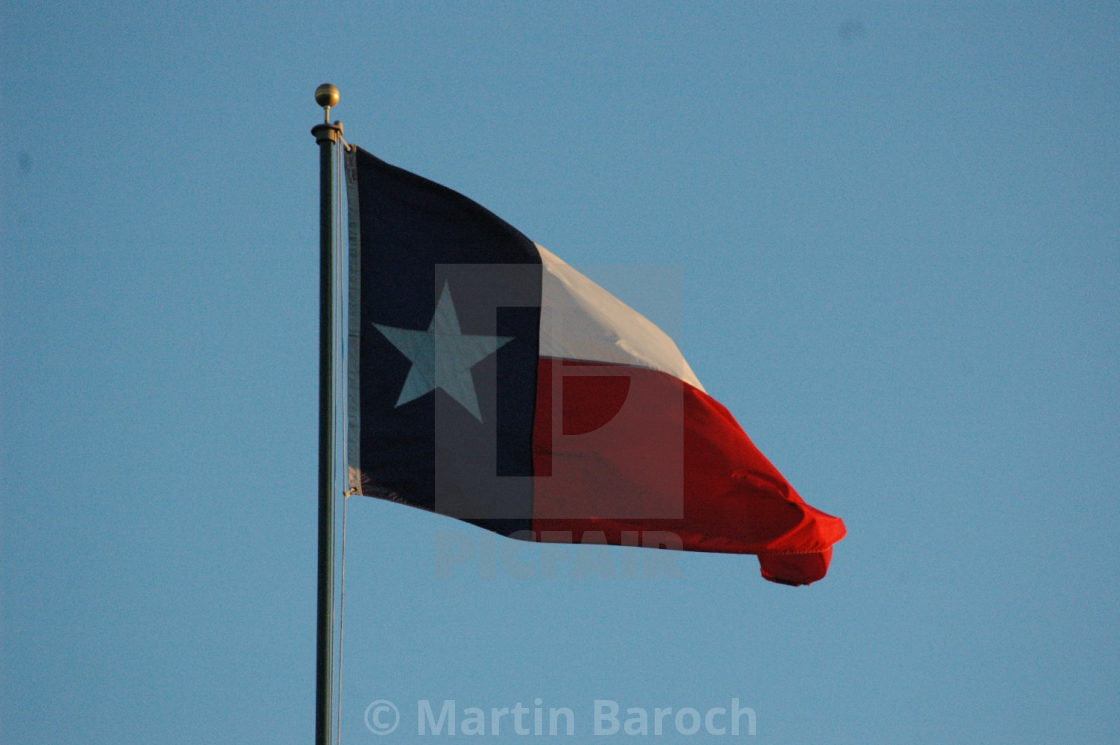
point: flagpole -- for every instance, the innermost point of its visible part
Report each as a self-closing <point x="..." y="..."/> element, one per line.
<point x="326" y="135"/>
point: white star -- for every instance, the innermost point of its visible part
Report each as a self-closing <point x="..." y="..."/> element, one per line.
<point x="442" y="356"/>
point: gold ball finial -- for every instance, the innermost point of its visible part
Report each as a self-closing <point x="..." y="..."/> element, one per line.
<point x="326" y="95"/>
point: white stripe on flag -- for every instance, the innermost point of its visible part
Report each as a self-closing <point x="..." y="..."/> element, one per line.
<point x="582" y="321"/>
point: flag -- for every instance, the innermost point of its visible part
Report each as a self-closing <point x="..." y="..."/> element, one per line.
<point x="490" y="381"/>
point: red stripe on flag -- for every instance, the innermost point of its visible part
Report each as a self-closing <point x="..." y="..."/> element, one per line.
<point x="619" y="449"/>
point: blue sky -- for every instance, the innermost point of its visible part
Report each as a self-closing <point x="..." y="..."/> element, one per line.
<point x="897" y="236"/>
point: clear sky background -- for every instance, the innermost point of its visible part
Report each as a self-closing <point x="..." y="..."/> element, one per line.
<point x="897" y="232"/>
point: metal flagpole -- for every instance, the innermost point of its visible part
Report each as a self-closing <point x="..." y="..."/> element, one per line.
<point x="327" y="135"/>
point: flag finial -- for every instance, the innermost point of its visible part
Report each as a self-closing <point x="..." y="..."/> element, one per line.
<point x="327" y="95"/>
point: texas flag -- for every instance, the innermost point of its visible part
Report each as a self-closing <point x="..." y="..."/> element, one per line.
<point x="491" y="382"/>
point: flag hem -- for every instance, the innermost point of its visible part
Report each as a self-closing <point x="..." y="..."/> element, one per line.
<point x="354" y="328"/>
